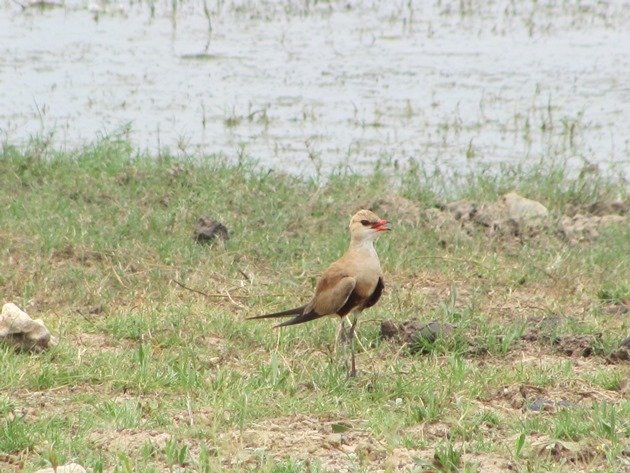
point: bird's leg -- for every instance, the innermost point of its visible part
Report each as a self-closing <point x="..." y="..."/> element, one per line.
<point x="344" y="333"/>
<point x="344" y="338"/>
<point x="354" y="333"/>
<point x="353" y="366"/>
<point x="341" y="334"/>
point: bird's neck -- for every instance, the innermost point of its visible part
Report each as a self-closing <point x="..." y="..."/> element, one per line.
<point x="363" y="246"/>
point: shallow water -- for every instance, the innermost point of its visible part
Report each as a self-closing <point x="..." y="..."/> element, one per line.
<point x="308" y="86"/>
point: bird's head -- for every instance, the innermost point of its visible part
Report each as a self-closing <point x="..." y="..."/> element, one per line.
<point x="365" y="225"/>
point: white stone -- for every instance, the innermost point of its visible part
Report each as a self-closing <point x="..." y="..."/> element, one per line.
<point x="520" y="208"/>
<point x="17" y="327"/>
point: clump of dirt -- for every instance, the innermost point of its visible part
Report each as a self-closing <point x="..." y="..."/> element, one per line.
<point x="11" y="463"/>
<point x="462" y="210"/>
<point x="400" y="209"/>
<point x="95" y="309"/>
<point x="518" y="396"/>
<point x="577" y="345"/>
<point x="584" y="228"/>
<point x="541" y="329"/>
<point x="622" y="353"/>
<point x="207" y="229"/>
<point x="572" y="452"/>
<point x="620" y="308"/>
<point x="542" y="399"/>
<point x="449" y="228"/>
<point x="525" y="397"/>
<point x="415" y="333"/>
<point x="601" y="208"/>
<point x="514" y="216"/>
<point x="511" y="215"/>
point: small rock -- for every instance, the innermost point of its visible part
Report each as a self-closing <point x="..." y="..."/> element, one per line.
<point x="208" y="228"/>
<point x="522" y="209"/>
<point x="512" y="215"/>
<point x="334" y="439"/>
<point x="542" y="404"/>
<point x="69" y="468"/>
<point x="17" y="327"/>
<point x="433" y="330"/>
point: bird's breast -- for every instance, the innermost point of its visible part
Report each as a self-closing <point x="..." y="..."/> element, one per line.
<point x="366" y="283"/>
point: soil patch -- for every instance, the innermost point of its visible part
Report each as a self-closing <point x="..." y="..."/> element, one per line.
<point x="128" y="440"/>
<point x="311" y="438"/>
<point x="528" y="398"/>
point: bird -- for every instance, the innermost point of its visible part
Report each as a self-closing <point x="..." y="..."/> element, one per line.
<point x="349" y="285"/>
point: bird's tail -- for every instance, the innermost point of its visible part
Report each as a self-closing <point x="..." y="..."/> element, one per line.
<point x="284" y="313"/>
<point x="300" y="316"/>
<point x="300" y="319"/>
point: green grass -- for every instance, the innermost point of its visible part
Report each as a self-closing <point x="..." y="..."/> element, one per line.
<point x="106" y="226"/>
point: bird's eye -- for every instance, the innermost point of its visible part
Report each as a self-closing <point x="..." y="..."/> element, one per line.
<point x="365" y="223"/>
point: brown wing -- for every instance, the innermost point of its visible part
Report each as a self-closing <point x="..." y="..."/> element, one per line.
<point x="355" y="299"/>
<point x="332" y="292"/>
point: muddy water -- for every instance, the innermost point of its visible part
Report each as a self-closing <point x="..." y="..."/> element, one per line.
<point x="309" y="86"/>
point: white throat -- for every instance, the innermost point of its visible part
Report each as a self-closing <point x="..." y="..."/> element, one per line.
<point x="364" y="245"/>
